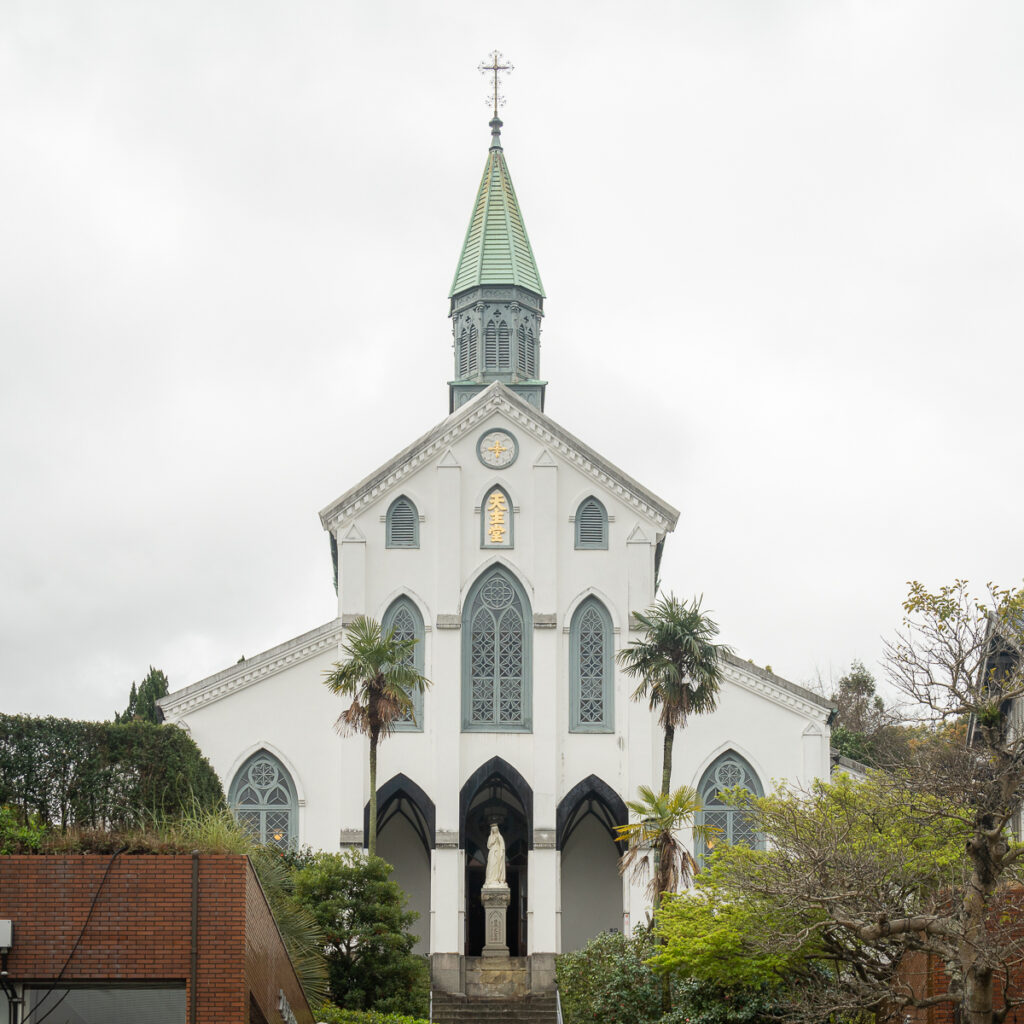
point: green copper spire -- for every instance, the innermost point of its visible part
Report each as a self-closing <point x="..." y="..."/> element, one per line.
<point x="497" y="248"/>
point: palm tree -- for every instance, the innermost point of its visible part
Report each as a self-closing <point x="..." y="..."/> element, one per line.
<point x="678" y="666"/>
<point x="653" y="848"/>
<point x="380" y="676"/>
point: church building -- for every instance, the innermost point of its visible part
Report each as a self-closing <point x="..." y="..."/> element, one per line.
<point x="515" y="555"/>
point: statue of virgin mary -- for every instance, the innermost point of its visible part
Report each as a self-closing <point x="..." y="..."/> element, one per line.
<point x="495" y="875"/>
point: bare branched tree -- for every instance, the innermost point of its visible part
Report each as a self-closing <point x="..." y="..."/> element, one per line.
<point x="905" y="889"/>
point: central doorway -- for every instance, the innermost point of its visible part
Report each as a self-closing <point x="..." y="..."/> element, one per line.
<point x="492" y="797"/>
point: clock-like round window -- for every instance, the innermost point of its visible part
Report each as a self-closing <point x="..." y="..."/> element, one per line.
<point x="497" y="449"/>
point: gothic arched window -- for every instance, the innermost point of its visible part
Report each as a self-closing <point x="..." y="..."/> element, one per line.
<point x="497" y="519"/>
<point x="731" y="826"/>
<point x="404" y="618"/>
<point x="590" y="668"/>
<point x="497" y="628"/>
<point x="591" y="525"/>
<point x="402" y="528"/>
<point x="262" y="795"/>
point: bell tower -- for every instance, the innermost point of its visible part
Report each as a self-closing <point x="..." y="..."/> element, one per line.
<point x="497" y="299"/>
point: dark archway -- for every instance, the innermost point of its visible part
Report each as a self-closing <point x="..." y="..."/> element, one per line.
<point x="590" y="796"/>
<point x="405" y="838"/>
<point x="591" y="887"/>
<point x="401" y="796"/>
<point x="519" y="785"/>
<point x="496" y="793"/>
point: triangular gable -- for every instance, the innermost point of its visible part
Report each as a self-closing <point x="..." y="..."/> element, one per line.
<point x="555" y="438"/>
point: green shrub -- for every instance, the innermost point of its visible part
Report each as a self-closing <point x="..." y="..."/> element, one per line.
<point x="609" y="981"/>
<point x="331" y="1014"/>
<point x="17" y="836"/>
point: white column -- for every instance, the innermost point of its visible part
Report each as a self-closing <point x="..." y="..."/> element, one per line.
<point x="547" y="672"/>
<point x="446" y="900"/>
<point x="352" y="573"/>
<point x="542" y="936"/>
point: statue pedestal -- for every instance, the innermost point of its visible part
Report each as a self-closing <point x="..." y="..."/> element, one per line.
<point x="495" y="899"/>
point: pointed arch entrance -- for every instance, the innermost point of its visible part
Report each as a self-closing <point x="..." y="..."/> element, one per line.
<point x="405" y="838"/>
<point x="496" y="793"/>
<point x="591" y="889"/>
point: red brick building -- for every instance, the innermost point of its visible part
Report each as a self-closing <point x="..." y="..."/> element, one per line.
<point x="143" y="938"/>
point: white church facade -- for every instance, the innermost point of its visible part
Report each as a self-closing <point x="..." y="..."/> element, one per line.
<point x="515" y="554"/>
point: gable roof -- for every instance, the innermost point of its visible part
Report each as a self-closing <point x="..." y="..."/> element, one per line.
<point x="497" y="249"/>
<point x="759" y="680"/>
<point x="498" y="398"/>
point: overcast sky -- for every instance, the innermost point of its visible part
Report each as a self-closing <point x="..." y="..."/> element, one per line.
<point x="782" y="243"/>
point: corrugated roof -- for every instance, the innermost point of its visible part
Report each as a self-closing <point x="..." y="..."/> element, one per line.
<point x="497" y="248"/>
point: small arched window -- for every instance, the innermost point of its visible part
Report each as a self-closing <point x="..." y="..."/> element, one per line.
<point x="403" y="524"/>
<point x="497" y="519"/>
<point x="404" y="618"/>
<point x="591" y="668"/>
<point x="262" y="795"/>
<point x="591" y="526"/>
<point x="497" y="637"/>
<point x="729" y="825"/>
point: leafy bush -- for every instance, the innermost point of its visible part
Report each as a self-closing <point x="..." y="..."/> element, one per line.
<point x="697" y="1002"/>
<point x="331" y="1014"/>
<point x="101" y="775"/>
<point x="369" y="945"/>
<point x="609" y="981"/>
<point x="17" y="836"/>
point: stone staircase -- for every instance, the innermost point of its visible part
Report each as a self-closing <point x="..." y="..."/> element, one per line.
<point x="460" y="1009"/>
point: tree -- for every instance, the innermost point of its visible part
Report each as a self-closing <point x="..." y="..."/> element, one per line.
<point x="142" y="699"/>
<point x="918" y="863"/>
<point x="368" y="943"/>
<point x="677" y="663"/>
<point x="844" y="859"/>
<point x="380" y="677"/>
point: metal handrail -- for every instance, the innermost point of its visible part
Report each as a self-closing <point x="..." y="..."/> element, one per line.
<point x="430" y="1017"/>
<point x="558" y="1005"/>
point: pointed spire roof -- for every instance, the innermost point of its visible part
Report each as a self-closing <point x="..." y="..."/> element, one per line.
<point x="497" y="248"/>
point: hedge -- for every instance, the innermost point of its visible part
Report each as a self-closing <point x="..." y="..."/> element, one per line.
<point x="101" y="775"/>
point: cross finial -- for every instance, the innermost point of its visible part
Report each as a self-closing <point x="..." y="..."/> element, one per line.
<point x="495" y="68"/>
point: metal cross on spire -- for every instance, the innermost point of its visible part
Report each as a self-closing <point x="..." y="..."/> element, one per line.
<point x="496" y="67"/>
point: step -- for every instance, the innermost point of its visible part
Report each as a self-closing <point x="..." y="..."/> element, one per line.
<point x="457" y="1009"/>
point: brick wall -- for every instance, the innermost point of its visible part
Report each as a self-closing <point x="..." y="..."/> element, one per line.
<point x="141" y="928"/>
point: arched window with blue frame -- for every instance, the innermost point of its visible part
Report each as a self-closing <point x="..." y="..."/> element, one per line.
<point x="591" y="670"/>
<point x="262" y="795"/>
<point x="727" y="825"/>
<point x="497" y="653"/>
<point x="402" y="524"/>
<point x="591" y="525"/>
<point x="404" y="618"/>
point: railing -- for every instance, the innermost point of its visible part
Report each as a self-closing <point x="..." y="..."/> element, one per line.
<point x="431" y="1015"/>
<point x="558" y="1005"/>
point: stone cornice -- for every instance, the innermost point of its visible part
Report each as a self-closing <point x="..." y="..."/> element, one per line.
<point x="222" y="684"/>
<point x="776" y="689"/>
<point x="498" y="398"/>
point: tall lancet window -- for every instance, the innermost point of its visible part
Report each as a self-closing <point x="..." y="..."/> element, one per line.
<point x="497" y="628"/>
<point x="262" y="795"/>
<point x="728" y="825"/>
<point x="404" y="618"/>
<point x="590" y="667"/>
<point x="497" y="516"/>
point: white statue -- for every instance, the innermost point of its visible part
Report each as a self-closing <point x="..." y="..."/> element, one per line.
<point x="495" y="875"/>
